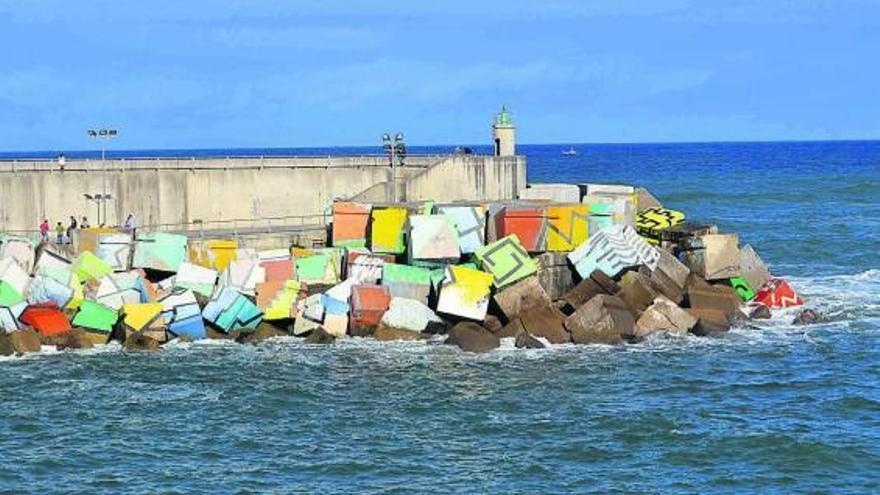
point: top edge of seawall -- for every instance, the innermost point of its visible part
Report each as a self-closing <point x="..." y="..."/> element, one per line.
<point x="226" y="162"/>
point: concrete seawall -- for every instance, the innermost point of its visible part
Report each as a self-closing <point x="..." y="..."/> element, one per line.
<point x="182" y="191"/>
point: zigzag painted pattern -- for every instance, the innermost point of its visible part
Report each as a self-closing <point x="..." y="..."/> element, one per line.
<point x="468" y="221"/>
<point x="559" y="240"/>
<point x="228" y="310"/>
<point x="786" y="301"/>
<point x="613" y="250"/>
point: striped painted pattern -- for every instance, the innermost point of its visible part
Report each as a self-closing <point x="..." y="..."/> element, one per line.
<point x="613" y="250"/>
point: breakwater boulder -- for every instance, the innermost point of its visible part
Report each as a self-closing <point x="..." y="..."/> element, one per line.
<point x="19" y="342"/>
<point x="587" y="264"/>
<point x="320" y="336"/>
<point x="471" y="337"/>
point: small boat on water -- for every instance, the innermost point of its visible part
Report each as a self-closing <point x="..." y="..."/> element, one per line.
<point x="570" y="152"/>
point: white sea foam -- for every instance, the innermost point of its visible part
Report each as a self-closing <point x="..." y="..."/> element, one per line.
<point x="841" y="297"/>
<point x="842" y="300"/>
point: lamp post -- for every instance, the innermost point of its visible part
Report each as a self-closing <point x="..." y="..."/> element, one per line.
<point x="103" y="135"/>
<point x="396" y="149"/>
<point x="95" y="198"/>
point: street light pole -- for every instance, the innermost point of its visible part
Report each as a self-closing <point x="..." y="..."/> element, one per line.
<point x="396" y="148"/>
<point x="103" y="185"/>
<point x="103" y="135"/>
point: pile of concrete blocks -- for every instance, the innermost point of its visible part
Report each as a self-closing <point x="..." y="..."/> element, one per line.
<point x="581" y="264"/>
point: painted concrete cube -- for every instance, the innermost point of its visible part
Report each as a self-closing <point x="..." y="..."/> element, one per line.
<point x="651" y="221"/>
<point x="350" y="223"/>
<point x="465" y="293"/>
<point x="160" y="251"/>
<point x="182" y="313"/>
<point x="567" y="226"/>
<point x="506" y="260"/>
<point x="527" y="222"/>
<point x="230" y="310"/>
<point x="433" y="237"/>
<point x="470" y="223"/>
<point x="613" y="250"/>
<point x="388" y="229"/>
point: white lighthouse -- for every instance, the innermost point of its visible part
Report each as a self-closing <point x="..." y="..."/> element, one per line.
<point x="504" y="134"/>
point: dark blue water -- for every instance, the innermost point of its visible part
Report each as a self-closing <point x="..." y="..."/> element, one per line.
<point x="767" y="409"/>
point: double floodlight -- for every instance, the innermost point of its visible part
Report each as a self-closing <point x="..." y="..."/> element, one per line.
<point x="103" y="133"/>
<point x="386" y="138"/>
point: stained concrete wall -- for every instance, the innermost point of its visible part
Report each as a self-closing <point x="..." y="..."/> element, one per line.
<point x="211" y="190"/>
<point x="469" y="177"/>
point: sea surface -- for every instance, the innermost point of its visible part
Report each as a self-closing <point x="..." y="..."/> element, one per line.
<point x="770" y="408"/>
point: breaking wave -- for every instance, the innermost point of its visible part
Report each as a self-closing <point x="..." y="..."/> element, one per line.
<point x="845" y="303"/>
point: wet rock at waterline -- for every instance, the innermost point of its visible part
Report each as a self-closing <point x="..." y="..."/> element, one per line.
<point x="471" y="337"/>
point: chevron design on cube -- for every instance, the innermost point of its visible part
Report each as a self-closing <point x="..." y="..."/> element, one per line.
<point x="613" y="250"/>
<point x="568" y="226"/>
<point x="229" y="311"/>
<point x="651" y="221"/>
<point x="366" y="268"/>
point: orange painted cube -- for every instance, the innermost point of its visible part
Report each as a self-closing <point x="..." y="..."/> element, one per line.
<point x="350" y="222"/>
<point x="527" y="223"/>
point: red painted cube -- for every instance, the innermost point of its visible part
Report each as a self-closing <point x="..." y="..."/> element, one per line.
<point x="368" y="304"/>
<point x="46" y="318"/>
<point x="778" y="294"/>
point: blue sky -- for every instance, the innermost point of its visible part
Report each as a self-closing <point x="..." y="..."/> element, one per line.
<point x="231" y="73"/>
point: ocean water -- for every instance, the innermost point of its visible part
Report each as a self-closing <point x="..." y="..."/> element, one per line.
<point x="769" y="408"/>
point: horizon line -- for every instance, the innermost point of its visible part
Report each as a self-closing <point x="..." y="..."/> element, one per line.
<point x="585" y="143"/>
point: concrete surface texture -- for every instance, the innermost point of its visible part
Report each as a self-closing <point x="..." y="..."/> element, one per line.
<point x="222" y="189"/>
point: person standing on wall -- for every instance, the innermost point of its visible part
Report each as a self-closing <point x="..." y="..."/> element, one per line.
<point x="71" y="228"/>
<point x="59" y="234"/>
<point x="131" y="224"/>
<point x="44" y="230"/>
